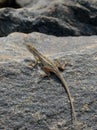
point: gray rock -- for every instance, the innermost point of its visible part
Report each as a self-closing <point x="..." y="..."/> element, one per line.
<point x="29" y="102"/>
<point x="26" y="100"/>
<point x="59" y="18"/>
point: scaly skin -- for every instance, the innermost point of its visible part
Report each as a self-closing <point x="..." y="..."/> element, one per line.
<point x="49" y="66"/>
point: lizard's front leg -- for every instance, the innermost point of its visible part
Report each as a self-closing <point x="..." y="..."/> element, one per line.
<point x="59" y="65"/>
<point x="33" y="64"/>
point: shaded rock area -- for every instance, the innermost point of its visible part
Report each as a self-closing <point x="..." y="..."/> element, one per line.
<point x="57" y="17"/>
<point x="9" y="3"/>
<point x="28" y="102"/>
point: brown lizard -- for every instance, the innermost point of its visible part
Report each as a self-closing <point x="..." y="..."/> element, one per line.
<point x="49" y="66"/>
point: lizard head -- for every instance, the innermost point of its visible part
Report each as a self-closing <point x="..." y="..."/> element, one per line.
<point x="30" y="47"/>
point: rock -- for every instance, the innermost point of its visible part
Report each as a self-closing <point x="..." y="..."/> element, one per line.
<point x="59" y="18"/>
<point x="26" y="102"/>
<point x="28" y="3"/>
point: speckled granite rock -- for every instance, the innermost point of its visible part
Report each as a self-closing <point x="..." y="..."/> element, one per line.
<point x="29" y="102"/>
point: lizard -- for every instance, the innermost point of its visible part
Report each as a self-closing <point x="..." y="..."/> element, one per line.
<point x="49" y="66"/>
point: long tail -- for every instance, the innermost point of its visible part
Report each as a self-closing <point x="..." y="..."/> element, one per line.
<point x="69" y="95"/>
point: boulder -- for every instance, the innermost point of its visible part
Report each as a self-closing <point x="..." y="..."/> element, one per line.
<point x="29" y="102"/>
<point x="58" y="18"/>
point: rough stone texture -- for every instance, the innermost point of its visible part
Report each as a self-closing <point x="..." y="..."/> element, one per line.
<point x="57" y="17"/>
<point x="29" y="102"/>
